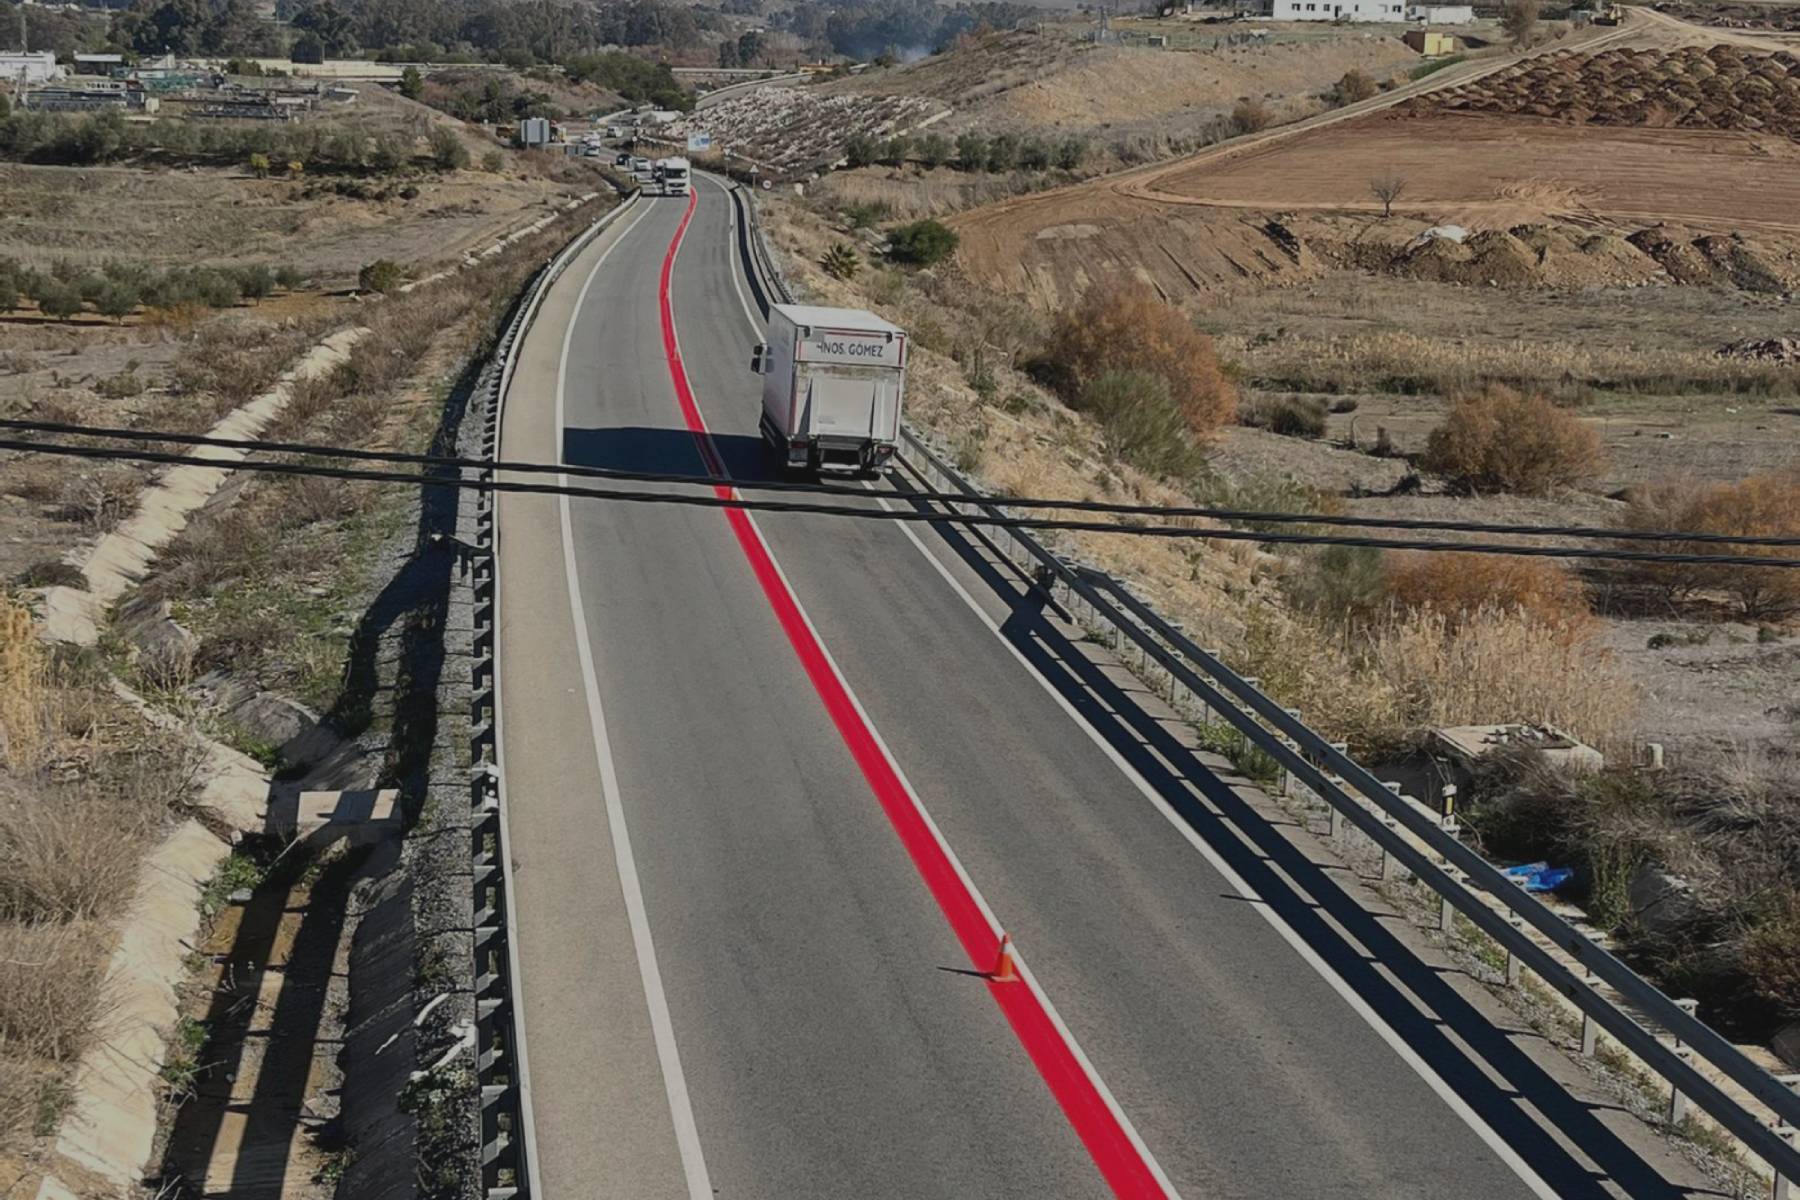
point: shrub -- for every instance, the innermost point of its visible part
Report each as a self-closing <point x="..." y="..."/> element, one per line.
<point x="1250" y="115"/>
<point x="9" y="293"/>
<point x="447" y="150"/>
<point x="1034" y="155"/>
<point x="382" y="275"/>
<point x="1760" y="506"/>
<point x="861" y="150"/>
<point x="921" y="243"/>
<point x="493" y="162"/>
<point x="1506" y="441"/>
<point x="1142" y="424"/>
<point x="1070" y="152"/>
<point x="1355" y="85"/>
<point x="386" y="154"/>
<point x="259" y="165"/>
<point x="1339" y="584"/>
<point x="412" y="84"/>
<point x="288" y="277"/>
<point x="934" y="150"/>
<point x="841" y="261"/>
<point x="1291" y="416"/>
<point x="1122" y="324"/>
<point x="1457" y="585"/>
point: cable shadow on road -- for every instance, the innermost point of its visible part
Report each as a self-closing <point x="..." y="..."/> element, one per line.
<point x="667" y="450"/>
<point x="1194" y="792"/>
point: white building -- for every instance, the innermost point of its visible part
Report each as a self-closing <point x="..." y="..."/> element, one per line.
<point x="1327" y="10"/>
<point x="37" y="66"/>
<point x="1441" y="14"/>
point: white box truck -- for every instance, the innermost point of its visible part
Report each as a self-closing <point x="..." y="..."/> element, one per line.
<point x="674" y="176"/>
<point x="833" y="383"/>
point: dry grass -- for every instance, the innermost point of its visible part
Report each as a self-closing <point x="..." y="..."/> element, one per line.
<point x="23" y="692"/>
<point x="1378" y="687"/>
<point x="1411" y="363"/>
<point x="49" y="977"/>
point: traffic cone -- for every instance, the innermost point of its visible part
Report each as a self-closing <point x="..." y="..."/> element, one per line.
<point x="1006" y="968"/>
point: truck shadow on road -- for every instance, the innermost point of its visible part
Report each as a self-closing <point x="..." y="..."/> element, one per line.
<point x="671" y="451"/>
<point x="1224" y="820"/>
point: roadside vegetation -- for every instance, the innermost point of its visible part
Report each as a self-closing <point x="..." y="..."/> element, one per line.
<point x="1121" y="396"/>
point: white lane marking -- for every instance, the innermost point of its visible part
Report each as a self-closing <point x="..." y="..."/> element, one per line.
<point x="1025" y="972"/>
<point x="1242" y="886"/>
<point x="737" y="284"/>
<point x="681" y="1112"/>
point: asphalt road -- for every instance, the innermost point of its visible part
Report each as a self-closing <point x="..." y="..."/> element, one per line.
<point x="735" y="981"/>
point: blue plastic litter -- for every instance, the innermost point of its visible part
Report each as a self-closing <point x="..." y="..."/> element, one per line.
<point x="1540" y="876"/>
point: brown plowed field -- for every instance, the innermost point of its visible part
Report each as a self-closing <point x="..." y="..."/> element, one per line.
<point x="1197" y="228"/>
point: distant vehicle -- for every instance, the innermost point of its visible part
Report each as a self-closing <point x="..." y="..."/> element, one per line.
<point x="641" y="169"/>
<point x="833" y="383"/>
<point x="673" y="176"/>
<point x="1607" y="14"/>
<point x="622" y="159"/>
<point x="615" y="131"/>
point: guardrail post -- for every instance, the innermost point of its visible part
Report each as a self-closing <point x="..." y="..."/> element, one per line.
<point x="1514" y="968"/>
<point x="1678" y="1102"/>
<point x="1338" y="783"/>
<point x="1784" y="1187"/>
<point x="1447" y="910"/>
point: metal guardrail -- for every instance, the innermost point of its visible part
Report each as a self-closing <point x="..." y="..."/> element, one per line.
<point x="508" y="1144"/>
<point x="1422" y="841"/>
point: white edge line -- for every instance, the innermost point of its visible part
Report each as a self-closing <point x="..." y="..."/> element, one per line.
<point x="681" y="1114"/>
<point x="526" y="1116"/>
<point x="1062" y="1028"/>
<point x="1361" y="1007"/>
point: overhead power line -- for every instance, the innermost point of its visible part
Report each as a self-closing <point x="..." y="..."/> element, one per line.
<point x="1163" y="512"/>
<point x="992" y="520"/>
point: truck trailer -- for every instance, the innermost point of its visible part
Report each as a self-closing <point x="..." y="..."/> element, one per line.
<point x="833" y="383"/>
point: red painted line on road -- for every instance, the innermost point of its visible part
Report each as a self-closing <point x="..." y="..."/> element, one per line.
<point x="1121" y="1162"/>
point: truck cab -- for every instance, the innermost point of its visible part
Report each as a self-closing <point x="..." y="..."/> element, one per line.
<point x="833" y="384"/>
<point x="675" y="175"/>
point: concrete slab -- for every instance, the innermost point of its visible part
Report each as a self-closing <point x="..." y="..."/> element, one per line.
<point x="359" y="817"/>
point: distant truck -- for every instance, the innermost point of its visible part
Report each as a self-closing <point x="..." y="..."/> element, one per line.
<point x="833" y="383"/>
<point x="673" y="176"/>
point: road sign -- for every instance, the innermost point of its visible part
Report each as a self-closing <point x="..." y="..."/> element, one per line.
<point x="699" y="141"/>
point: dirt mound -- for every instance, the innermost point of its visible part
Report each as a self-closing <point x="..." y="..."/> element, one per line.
<point x="1723" y="88"/>
<point x="1524" y="256"/>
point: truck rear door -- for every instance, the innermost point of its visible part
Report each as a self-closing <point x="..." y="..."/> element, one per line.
<point x="857" y="402"/>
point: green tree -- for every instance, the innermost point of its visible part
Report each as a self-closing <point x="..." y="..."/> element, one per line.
<point x="447" y="150"/>
<point x="332" y="27"/>
<point x="934" y="150"/>
<point x="9" y="293"/>
<point x="412" y="84"/>
<point x="117" y="300"/>
<point x="255" y="281"/>
<point x="972" y="152"/>
<point x="1519" y="18"/>
<point x="288" y="277"/>
<point x="307" y="48"/>
<point x="1070" y="152"/>
<point x="921" y="243"/>
<point x="388" y="154"/>
<point x="750" y="47"/>
<point x="215" y="289"/>
<point x="58" y="301"/>
<point x="1003" y="153"/>
<point x="1034" y="155"/>
<point x="5" y="107"/>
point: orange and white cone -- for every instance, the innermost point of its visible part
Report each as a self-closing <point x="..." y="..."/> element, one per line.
<point x="1006" y="967"/>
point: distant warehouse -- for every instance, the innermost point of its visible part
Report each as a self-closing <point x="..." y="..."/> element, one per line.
<point x="1441" y="14"/>
<point x="1325" y="10"/>
<point x="35" y="66"/>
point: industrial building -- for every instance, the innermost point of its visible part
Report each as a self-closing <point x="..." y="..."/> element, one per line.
<point x="33" y="66"/>
<point x="1326" y="10"/>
